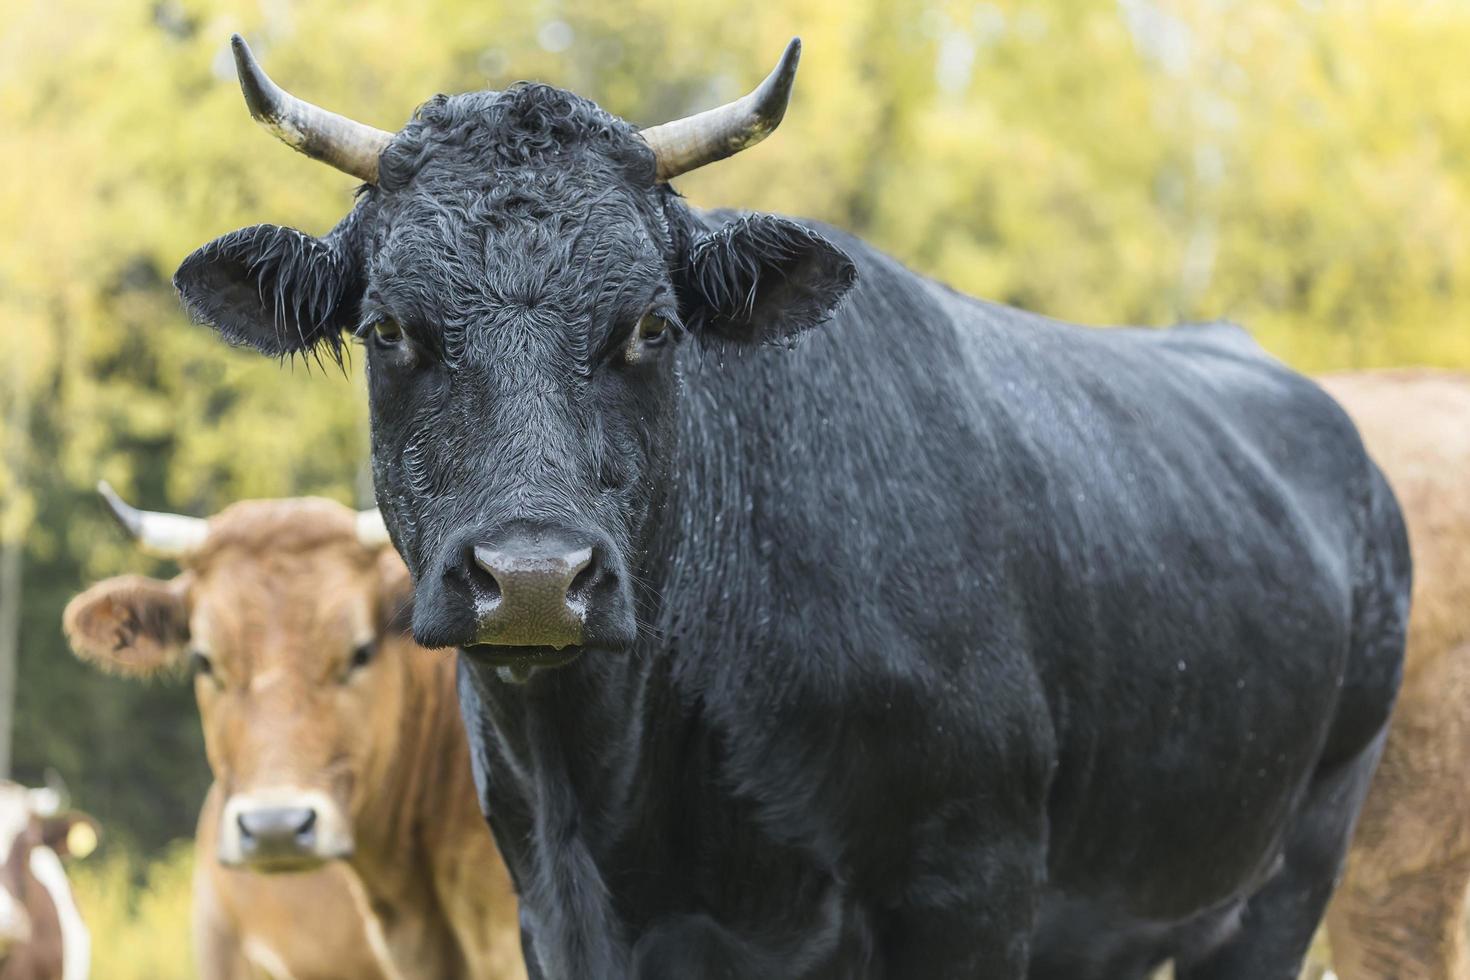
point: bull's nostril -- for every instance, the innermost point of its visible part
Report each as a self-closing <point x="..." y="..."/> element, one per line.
<point x="488" y="561"/>
<point x="584" y="573"/>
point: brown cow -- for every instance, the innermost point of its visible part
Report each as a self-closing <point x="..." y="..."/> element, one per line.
<point x="1399" y="910"/>
<point x="330" y="735"/>
<point x="42" y="936"/>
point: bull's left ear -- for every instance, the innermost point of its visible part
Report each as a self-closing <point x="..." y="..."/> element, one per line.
<point x="278" y="290"/>
<point x="765" y="280"/>
<point x="71" y="834"/>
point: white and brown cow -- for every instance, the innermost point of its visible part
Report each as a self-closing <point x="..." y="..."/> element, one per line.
<point x="42" y="936"/>
<point x="332" y="738"/>
<point x="1400" y="910"/>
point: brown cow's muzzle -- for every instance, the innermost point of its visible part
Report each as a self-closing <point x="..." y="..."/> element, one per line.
<point x="282" y="830"/>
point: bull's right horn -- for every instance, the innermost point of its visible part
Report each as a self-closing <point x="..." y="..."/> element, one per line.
<point x="352" y="147"/>
<point x="158" y="534"/>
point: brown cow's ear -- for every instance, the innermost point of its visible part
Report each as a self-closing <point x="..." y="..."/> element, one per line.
<point x="71" y="834"/>
<point x="395" y="593"/>
<point x="129" y="625"/>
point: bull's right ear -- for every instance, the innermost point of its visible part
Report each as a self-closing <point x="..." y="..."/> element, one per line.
<point x="278" y="290"/>
<point x="129" y="625"/>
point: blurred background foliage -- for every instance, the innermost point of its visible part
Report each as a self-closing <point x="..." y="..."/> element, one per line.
<point x="1301" y="166"/>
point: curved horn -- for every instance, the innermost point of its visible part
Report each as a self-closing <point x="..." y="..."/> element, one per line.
<point x="371" y="531"/>
<point x="161" y="535"/>
<point x="351" y="147"/>
<point x="690" y="143"/>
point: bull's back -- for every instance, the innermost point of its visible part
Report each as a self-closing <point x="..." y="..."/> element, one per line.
<point x="1216" y="582"/>
<point x="1140" y="549"/>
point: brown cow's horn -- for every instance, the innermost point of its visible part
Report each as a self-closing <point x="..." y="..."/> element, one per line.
<point x="161" y="535"/>
<point x="371" y="531"/>
<point x="689" y="143"/>
<point x="351" y="147"/>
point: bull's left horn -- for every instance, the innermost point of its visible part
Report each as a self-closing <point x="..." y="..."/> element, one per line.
<point x="158" y="534"/>
<point x="352" y="147"/>
<point x="371" y="531"/>
<point x="690" y="143"/>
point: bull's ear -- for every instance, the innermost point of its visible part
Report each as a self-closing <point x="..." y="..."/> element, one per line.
<point x="129" y="625"/>
<point x="765" y="280"/>
<point x="278" y="290"/>
<point x="72" y="834"/>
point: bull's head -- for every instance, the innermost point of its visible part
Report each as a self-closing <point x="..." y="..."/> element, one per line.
<point x="287" y="612"/>
<point x="523" y="278"/>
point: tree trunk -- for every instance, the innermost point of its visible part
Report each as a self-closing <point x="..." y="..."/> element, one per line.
<point x="12" y="548"/>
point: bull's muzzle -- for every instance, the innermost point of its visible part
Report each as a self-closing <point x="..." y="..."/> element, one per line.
<point x="532" y="590"/>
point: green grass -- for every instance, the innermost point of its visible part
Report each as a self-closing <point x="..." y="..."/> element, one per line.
<point x="138" y="913"/>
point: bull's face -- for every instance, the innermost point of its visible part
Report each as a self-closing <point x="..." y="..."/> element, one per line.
<point x="521" y="277"/>
<point x="287" y="620"/>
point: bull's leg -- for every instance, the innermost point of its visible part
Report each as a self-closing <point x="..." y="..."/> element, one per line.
<point x="696" y="946"/>
<point x="976" y="919"/>
<point x="1278" y="922"/>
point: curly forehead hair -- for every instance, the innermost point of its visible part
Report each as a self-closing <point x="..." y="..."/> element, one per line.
<point x="529" y="125"/>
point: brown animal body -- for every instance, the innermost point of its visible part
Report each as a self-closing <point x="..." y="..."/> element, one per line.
<point x="1399" y="912"/>
<point x="331" y="736"/>
<point x="42" y="936"/>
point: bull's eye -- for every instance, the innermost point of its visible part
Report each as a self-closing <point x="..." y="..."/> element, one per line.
<point x="650" y="333"/>
<point x="387" y="333"/>
<point x="652" y="330"/>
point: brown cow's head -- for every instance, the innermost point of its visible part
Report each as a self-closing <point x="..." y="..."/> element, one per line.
<point x="292" y="617"/>
<point x="32" y="818"/>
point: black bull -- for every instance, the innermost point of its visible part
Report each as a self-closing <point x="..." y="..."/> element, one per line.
<point x="951" y="641"/>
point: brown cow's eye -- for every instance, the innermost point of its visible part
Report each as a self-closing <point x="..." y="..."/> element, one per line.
<point x="362" y="655"/>
<point x="200" y="664"/>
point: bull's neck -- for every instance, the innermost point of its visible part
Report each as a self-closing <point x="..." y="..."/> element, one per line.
<point x="593" y="737"/>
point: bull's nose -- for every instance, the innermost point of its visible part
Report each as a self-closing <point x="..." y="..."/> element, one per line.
<point x="533" y="590"/>
<point x="277" y="833"/>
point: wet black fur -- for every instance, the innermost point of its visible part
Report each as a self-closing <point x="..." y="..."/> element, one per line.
<point x="948" y="642"/>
